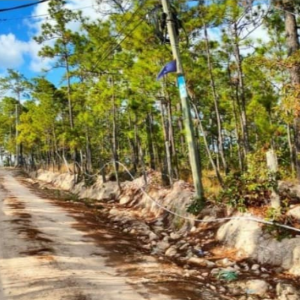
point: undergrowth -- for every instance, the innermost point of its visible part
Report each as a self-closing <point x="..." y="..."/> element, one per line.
<point x="252" y="188"/>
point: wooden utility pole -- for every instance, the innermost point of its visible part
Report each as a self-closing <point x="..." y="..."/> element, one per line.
<point x="188" y="125"/>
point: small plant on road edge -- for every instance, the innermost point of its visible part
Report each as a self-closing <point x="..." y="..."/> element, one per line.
<point x="227" y="275"/>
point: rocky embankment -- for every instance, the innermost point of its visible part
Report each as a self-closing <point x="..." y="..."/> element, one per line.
<point x="248" y="261"/>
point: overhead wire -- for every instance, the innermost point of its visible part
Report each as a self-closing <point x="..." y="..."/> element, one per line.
<point x="213" y="220"/>
<point x="22" y="6"/>
<point x="42" y="16"/>
<point x="189" y="217"/>
<point x="119" y="34"/>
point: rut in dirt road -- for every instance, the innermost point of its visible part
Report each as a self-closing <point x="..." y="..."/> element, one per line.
<point x="45" y="254"/>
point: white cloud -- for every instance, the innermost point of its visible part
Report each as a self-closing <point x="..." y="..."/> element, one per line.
<point x="88" y="8"/>
<point x="11" y="51"/>
<point x="260" y="33"/>
<point x="37" y="63"/>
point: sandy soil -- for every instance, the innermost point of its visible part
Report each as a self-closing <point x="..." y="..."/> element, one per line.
<point x="46" y="253"/>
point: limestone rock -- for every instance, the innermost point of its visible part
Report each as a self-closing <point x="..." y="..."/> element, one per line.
<point x="294" y="212"/>
<point x="251" y="287"/>
<point x="257" y="287"/>
<point x="197" y="261"/>
<point x="286" y="291"/>
<point x="255" y="267"/>
<point x="171" y="252"/>
<point x="225" y="262"/>
<point x="152" y="236"/>
<point x="162" y="246"/>
<point x="247" y="237"/>
<point x="175" y="236"/>
<point x="241" y="234"/>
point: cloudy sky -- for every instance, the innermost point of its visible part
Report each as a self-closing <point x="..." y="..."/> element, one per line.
<point x="19" y="51"/>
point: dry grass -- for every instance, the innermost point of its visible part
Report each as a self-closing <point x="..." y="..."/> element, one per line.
<point x="210" y="183"/>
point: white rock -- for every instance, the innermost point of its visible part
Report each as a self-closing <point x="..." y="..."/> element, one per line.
<point x="193" y="229"/>
<point x="197" y="261"/>
<point x="257" y="287"/>
<point x="255" y="267"/>
<point x="166" y="239"/>
<point x="152" y="236"/>
<point x="175" y="236"/>
<point x="210" y="264"/>
<point x="225" y="262"/>
<point x="215" y="271"/>
<point x="247" y="237"/>
<point x="284" y="289"/>
<point x="294" y="212"/>
<point x="171" y="252"/>
<point x="184" y="246"/>
<point x="162" y="245"/>
<point x="125" y="200"/>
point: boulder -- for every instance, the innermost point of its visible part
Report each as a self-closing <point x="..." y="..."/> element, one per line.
<point x="286" y="291"/>
<point x="294" y="212"/>
<point x="171" y="251"/>
<point x="249" y="238"/>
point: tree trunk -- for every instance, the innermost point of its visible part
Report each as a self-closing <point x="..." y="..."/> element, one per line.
<point x="216" y="100"/>
<point x="89" y="166"/>
<point x="236" y="113"/>
<point x="150" y="142"/>
<point x="71" y="120"/>
<point x="241" y="82"/>
<point x="114" y="140"/>
<point x="292" y="150"/>
<point x="204" y="134"/>
<point x="165" y="127"/>
<point x="293" y="46"/>
<point x="171" y="137"/>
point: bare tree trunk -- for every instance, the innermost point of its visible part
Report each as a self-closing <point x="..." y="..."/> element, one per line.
<point x="216" y="100"/>
<point x="292" y="41"/>
<point x="180" y="127"/>
<point x="292" y="150"/>
<point x="236" y="113"/>
<point x="171" y="137"/>
<point x="204" y="134"/>
<point x="241" y="82"/>
<point x="165" y="127"/>
<point x="133" y="146"/>
<point x="150" y="141"/>
<point x="88" y="151"/>
<point x="71" y="120"/>
<point x="114" y="140"/>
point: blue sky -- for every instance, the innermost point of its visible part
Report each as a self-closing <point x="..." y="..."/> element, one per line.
<point x="18" y="50"/>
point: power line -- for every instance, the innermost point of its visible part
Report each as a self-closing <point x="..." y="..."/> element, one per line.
<point x="118" y="44"/>
<point x="22" y="6"/>
<point x="194" y="219"/>
<point x="106" y="54"/>
<point x="40" y="16"/>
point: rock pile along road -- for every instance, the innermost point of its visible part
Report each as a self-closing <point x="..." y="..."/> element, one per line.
<point x="51" y="252"/>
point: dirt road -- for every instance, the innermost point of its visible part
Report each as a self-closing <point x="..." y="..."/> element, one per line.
<point x="47" y="253"/>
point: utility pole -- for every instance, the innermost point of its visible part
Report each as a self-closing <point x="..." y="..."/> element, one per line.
<point x="188" y="125"/>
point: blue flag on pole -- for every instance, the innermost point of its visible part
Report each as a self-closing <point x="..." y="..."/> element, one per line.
<point x="168" y="68"/>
